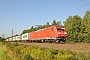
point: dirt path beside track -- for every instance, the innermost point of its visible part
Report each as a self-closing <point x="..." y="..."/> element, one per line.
<point x="75" y="47"/>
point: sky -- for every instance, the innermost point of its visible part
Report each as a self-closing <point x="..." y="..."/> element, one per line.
<point x="22" y="14"/>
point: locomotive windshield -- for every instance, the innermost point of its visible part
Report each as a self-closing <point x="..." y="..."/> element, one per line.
<point x="60" y="28"/>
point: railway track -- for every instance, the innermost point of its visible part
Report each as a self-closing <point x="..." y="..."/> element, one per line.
<point x="75" y="47"/>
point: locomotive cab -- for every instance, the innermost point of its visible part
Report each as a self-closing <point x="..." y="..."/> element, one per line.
<point x="61" y="33"/>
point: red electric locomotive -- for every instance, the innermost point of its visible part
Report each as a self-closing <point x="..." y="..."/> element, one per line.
<point x="50" y="34"/>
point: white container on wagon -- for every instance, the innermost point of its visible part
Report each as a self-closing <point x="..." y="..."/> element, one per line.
<point x="26" y="36"/>
<point x="14" y="38"/>
<point x="10" y="39"/>
<point x="7" y="39"/>
<point x="17" y="37"/>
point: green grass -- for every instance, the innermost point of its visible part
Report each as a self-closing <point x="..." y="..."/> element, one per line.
<point x="4" y="53"/>
<point x="36" y="53"/>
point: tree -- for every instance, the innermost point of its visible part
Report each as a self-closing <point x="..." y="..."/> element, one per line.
<point x="78" y="28"/>
<point x="54" y="22"/>
<point x="68" y="27"/>
<point x="2" y="39"/>
<point x="59" y="23"/>
<point x="32" y="29"/>
<point x="25" y="31"/>
<point x="73" y="27"/>
<point x="47" y="24"/>
<point x="86" y="27"/>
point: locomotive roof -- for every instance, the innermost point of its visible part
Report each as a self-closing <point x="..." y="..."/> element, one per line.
<point x="60" y="26"/>
<point x="49" y="27"/>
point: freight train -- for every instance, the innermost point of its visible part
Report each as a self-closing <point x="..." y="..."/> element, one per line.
<point x="56" y="34"/>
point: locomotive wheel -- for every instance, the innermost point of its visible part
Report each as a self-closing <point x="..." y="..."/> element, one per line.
<point x="57" y="41"/>
<point x="62" y="41"/>
<point x="42" y="41"/>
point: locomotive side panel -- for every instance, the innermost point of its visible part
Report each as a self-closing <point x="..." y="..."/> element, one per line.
<point x="53" y="32"/>
<point x="40" y="34"/>
<point x="48" y="33"/>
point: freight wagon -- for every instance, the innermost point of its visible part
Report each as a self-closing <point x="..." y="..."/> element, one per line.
<point x="25" y="37"/>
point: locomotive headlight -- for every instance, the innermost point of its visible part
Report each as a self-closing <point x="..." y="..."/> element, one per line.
<point x="65" y="32"/>
<point x="59" y="33"/>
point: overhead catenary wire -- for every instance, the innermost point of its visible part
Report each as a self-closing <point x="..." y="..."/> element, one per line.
<point x="66" y="8"/>
<point x="71" y="10"/>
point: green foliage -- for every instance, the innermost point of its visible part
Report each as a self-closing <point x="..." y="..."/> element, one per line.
<point x="26" y="56"/>
<point x="18" y="48"/>
<point x="80" y="56"/>
<point x="3" y="53"/>
<point x="2" y="39"/>
<point x="36" y="53"/>
<point x="53" y="51"/>
<point x="11" y="46"/>
<point x="54" y="22"/>
<point x="78" y="28"/>
<point x="32" y="29"/>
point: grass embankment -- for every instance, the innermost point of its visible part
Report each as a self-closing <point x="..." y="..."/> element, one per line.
<point x="3" y="53"/>
<point x="6" y="53"/>
<point x="36" y="53"/>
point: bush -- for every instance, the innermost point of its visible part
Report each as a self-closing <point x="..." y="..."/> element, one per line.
<point x="26" y="56"/>
<point x="35" y="53"/>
